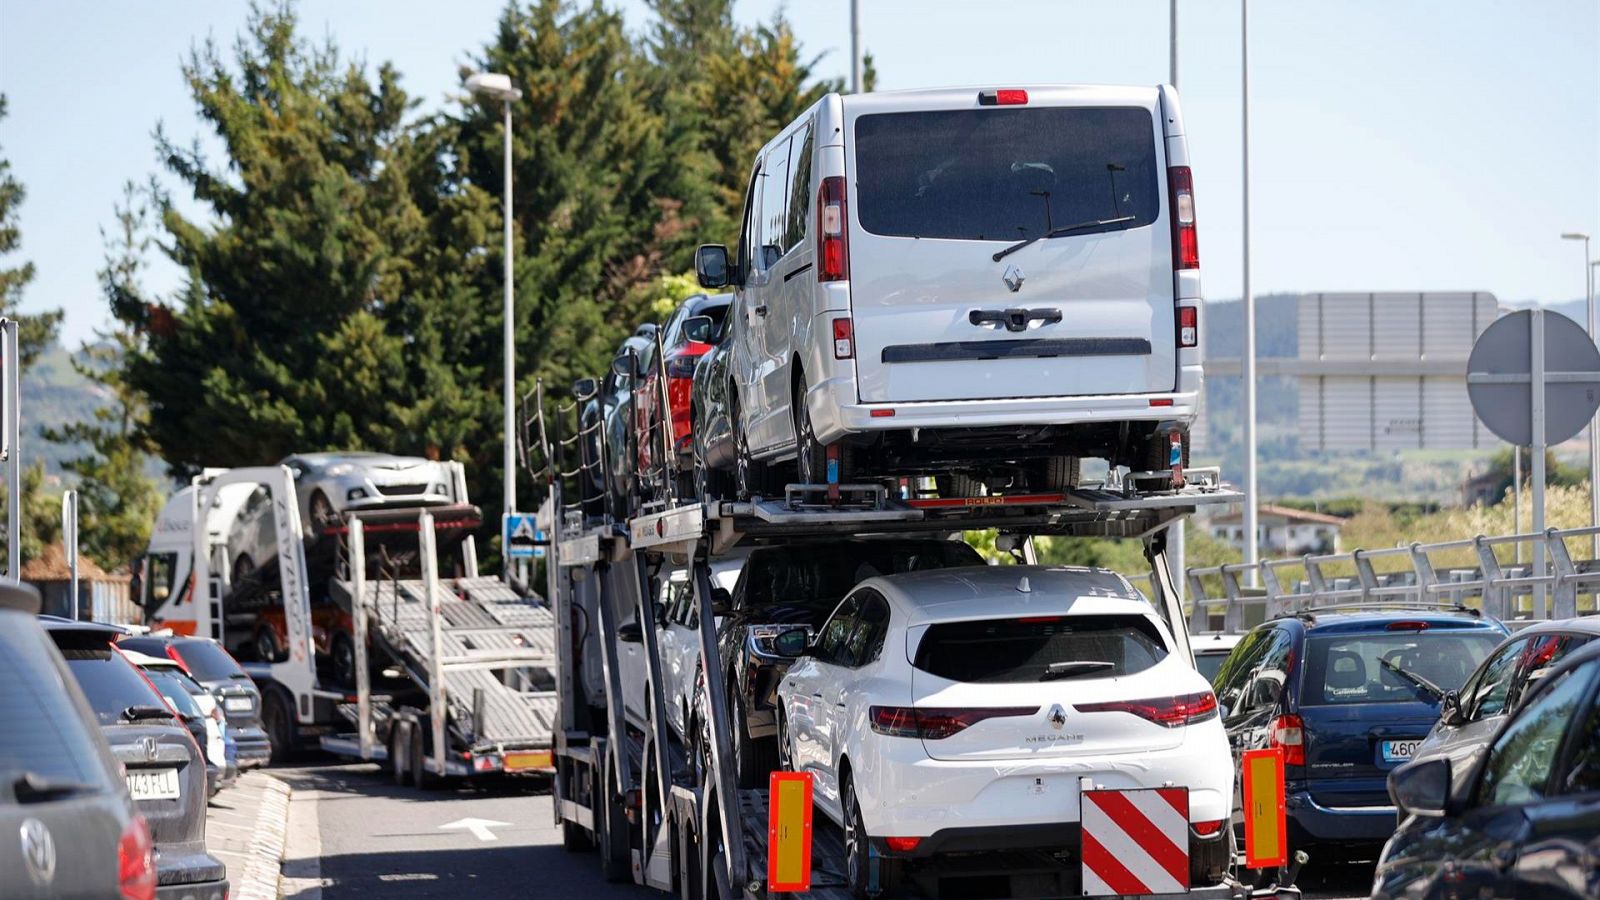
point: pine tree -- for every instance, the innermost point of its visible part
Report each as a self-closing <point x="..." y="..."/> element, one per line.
<point x="36" y="332"/>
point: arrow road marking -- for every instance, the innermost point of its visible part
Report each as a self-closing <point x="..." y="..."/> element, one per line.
<point x="478" y="827"/>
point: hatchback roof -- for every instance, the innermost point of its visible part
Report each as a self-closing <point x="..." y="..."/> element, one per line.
<point x="1584" y="624"/>
<point x="1002" y="591"/>
<point x="1343" y="622"/>
<point x="55" y="624"/>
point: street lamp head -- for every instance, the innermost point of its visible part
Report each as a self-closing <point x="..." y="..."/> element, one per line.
<point x="1574" y="236"/>
<point x="493" y="85"/>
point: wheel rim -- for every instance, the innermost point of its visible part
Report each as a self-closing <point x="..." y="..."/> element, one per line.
<point x="852" y="841"/>
<point x="344" y="661"/>
<point x="321" y="510"/>
<point x="738" y="737"/>
<point x="806" y="454"/>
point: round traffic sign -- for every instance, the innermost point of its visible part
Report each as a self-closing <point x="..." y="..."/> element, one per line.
<point x="1501" y="377"/>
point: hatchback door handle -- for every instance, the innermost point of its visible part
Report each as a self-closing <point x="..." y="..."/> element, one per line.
<point x="761" y="310"/>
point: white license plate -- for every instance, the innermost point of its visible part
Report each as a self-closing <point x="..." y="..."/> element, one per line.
<point x="1399" y="751"/>
<point x="237" y="704"/>
<point x="153" y="784"/>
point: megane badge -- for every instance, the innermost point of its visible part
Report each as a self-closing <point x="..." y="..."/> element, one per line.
<point x="1013" y="278"/>
<point x="38" y="852"/>
<point x="1057" y="717"/>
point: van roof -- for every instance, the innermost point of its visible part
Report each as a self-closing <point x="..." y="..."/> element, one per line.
<point x="1038" y="94"/>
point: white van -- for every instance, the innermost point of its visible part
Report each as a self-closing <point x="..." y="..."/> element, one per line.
<point x="973" y="282"/>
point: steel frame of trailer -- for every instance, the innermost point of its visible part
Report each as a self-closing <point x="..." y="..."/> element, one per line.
<point x="679" y="838"/>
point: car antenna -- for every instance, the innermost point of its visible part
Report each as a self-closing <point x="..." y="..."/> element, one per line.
<point x="1023" y="586"/>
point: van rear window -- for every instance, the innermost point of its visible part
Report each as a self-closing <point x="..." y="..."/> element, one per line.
<point x="1005" y="174"/>
<point x="1044" y="648"/>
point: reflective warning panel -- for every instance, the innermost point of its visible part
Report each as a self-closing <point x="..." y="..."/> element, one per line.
<point x="1135" y="842"/>
<point x="789" y="832"/>
<point x="1266" y="841"/>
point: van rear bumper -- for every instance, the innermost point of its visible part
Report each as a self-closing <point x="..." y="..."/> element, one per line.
<point x="1312" y="823"/>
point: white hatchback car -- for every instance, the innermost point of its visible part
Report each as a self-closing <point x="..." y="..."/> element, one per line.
<point x="980" y="282"/>
<point x="957" y="710"/>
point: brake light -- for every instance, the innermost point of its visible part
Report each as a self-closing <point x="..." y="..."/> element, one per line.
<point x="1168" y="712"/>
<point x="833" y="246"/>
<point x="844" y="345"/>
<point x="1185" y="242"/>
<point x="882" y="414"/>
<point x="136" y="863"/>
<point x="902" y="844"/>
<point x="1188" y="326"/>
<point x="1289" y="732"/>
<point x="938" y="723"/>
<point x="1407" y="626"/>
<point x="1003" y="97"/>
<point x="681" y="366"/>
<point x="1207" y="829"/>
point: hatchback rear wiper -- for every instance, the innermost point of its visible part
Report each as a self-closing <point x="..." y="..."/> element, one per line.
<point x="1060" y="232"/>
<point x="31" y="787"/>
<point x="139" y="713"/>
<point x="1414" y="678"/>
<point x="1074" y="668"/>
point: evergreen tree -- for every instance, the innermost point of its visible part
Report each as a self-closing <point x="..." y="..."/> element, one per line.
<point x="36" y="332"/>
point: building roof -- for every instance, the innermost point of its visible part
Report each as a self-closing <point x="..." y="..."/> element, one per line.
<point x="1296" y="516"/>
<point x="51" y="565"/>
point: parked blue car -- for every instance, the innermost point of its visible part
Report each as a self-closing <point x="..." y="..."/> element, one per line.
<point x="1348" y="697"/>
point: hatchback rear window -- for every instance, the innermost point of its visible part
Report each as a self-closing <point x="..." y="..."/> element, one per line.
<point x="1357" y="668"/>
<point x="111" y="683"/>
<point x="176" y="693"/>
<point x="1000" y="651"/>
<point x="43" y="734"/>
<point x="1005" y="174"/>
<point x="208" y="662"/>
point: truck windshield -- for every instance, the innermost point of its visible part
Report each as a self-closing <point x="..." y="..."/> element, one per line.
<point x="1005" y="174"/>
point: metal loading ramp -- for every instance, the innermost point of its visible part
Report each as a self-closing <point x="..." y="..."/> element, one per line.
<point x="492" y="644"/>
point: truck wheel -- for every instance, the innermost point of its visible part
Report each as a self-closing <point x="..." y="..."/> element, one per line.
<point x="612" y="834"/>
<point x="277" y="721"/>
<point x="400" y="753"/>
<point x="575" y="838"/>
<point x="421" y="744"/>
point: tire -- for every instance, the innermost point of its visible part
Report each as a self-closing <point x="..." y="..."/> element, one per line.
<point x="754" y="758"/>
<point x="811" y="457"/>
<point x="785" y="748"/>
<point x="859" y="858"/>
<point x="421" y="778"/>
<point x="575" y="839"/>
<point x="266" y="643"/>
<point x="959" y="484"/>
<point x="400" y="753"/>
<point x="323" y="516"/>
<point x="279" y="726"/>
<point x="745" y="474"/>
<point x="343" y="653"/>
<point x="611" y="834"/>
<point x="242" y="568"/>
<point x="1057" y="473"/>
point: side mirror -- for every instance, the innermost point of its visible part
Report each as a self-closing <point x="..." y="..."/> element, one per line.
<point x="1450" y="708"/>
<point x="795" y="642"/>
<point x="626" y="364"/>
<point x="630" y="633"/>
<point x="584" y="388"/>
<point x="721" y="601"/>
<point x="699" y="329"/>
<point x="1422" y="788"/>
<point x="711" y="265"/>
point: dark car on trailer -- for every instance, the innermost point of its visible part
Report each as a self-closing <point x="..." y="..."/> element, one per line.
<point x="164" y="768"/>
<point x="1348" y="697"/>
<point x="70" y="828"/>
<point x="1524" y="821"/>
<point x="212" y="666"/>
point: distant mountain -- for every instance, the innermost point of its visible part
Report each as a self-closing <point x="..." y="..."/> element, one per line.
<point x="53" y="395"/>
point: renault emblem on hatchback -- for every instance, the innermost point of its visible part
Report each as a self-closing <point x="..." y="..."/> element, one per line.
<point x="1013" y="278"/>
<point x="38" y="852"/>
<point x="1057" y="717"/>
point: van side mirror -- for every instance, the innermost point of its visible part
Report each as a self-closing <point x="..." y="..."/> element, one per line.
<point x="1422" y="788"/>
<point x="711" y="265"/>
<point x="626" y="364"/>
<point x="721" y="601"/>
<point x="699" y="329"/>
<point x="584" y="388"/>
<point x="630" y="633"/>
<point x="1450" y="708"/>
<point x="795" y="642"/>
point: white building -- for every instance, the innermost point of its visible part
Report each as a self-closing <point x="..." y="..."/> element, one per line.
<point x="1282" y="531"/>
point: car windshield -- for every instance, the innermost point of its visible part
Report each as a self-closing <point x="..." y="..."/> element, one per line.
<point x="44" y="735"/>
<point x="171" y="686"/>
<point x="208" y="662"/>
<point x="112" y="684"/>
<point x="1005" y="174"/>
<point x="808" y="580"/>
<point x="1040" y="648"/>
<point x="1209" y="664"/>
<point x="1361" y="668"/>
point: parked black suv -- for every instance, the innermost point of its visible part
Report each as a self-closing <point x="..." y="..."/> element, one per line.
<point x="70" y="829"/>
<point x="209" y="664"/>
<point x="164" y="768"/>
<point x="791" y="585"/>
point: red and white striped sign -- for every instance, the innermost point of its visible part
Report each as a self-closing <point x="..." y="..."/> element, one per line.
<point x="1135" y="842"/>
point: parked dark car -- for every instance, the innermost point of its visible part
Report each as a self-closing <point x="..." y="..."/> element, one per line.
<point x="70" y="828"/>
<point x="1469" y="718"/>
<point x="1348" y="697"/>
<point x="171" y="688"/>
<point x="615" y="408"/>
<point x="238" y="696"/>
<point x="164" y="767"/>
<point x="799" y="584"/>
<point x="692" y="330"/>
<point x="1528" y="822"/>
<point x="717" y="472"/>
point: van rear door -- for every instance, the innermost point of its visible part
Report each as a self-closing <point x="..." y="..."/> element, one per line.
<point x="944" y="183"/>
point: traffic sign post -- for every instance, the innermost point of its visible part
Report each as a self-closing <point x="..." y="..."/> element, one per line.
<point x="522" y="538"/>
<point x="1534" y="380"/>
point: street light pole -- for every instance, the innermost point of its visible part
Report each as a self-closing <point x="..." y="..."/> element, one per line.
<point x="1172" y="42"/>
<point x="1177" y="535"/>
<point x="498" y="87"/>
<point x="1594" y="431"/>
<point x="1251" y="501"/>
<point x="856" y="62"/>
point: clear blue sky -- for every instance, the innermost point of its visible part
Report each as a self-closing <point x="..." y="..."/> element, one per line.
<point x="1397" y="144"/>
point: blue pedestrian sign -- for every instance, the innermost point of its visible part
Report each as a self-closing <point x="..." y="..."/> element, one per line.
<point x="523" y="539"/>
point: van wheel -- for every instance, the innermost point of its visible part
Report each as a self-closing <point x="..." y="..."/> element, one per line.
<point x="811" y="456"/>
<point x="749" y="475"/>
<point x="1057" y="473"/>
<point x="958" y="484"/>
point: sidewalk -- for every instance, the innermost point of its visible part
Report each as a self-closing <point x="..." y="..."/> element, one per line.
<point x="245" y="828"/>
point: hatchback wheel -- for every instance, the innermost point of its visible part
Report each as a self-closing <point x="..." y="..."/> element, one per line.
<point x="267" y="649"/>
<point x="322" y="515"/>
<point x="859" y="858"/>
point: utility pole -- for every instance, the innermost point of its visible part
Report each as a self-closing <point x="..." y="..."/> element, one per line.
<point x="855" y="47"/>
<point x="1178" y="535"/>
<point x="1251" y="500"/>
<point x="1594" y="433"/>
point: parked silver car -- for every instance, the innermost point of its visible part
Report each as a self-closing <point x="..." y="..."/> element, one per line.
<point x="327" y="484"/>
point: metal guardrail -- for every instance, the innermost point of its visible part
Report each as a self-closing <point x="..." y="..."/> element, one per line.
<point x="1409" y="575"/>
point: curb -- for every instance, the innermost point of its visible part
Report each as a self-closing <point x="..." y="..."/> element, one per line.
<point x="259" y="879"/>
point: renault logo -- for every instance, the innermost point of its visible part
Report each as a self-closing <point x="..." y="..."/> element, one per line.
<point x="38" y="852"/>
<point x="1057" y="717"/>
<point x="1013" y="278"/>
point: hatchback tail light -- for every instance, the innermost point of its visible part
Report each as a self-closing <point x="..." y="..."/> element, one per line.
<point x="1185" y="242"/>
<point x="136" y="861"/>
<point x="1289" y="732"/>
<point x="833" y="244"/>
<point x="936" y="723"/>
<point x="1207" y="829"/>
<point x="902" y="844"/>
<point x="1168" y="712"/>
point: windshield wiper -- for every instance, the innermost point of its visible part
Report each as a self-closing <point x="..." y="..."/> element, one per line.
<point x="31" y="787"/>
<point x="1414" y="678"/>
<point x="140" y="713"/>
<point x="1060" y="232"/>
<point x="1074" y="668"/>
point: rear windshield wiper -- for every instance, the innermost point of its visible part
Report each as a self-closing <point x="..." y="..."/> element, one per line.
<point x="31" y="787"/>
<point x="1060" y="232"/>
<point x="1074" y="668"/>
<point x="1414" y="678"/>
<point x="140" y="713"/>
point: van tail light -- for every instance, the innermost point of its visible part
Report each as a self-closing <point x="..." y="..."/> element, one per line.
<point x="1188" y="326"/>
<point x="833" y="244"/>
<point x="1289" y="732"/>
<point x="934" y="724"/>
<point x="844" y="344"/>
<point x="1168" y="712"/>
<point x="1185" y="243"/>
<point x="136" y="861"/>
<point x="1003" y="97"/>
